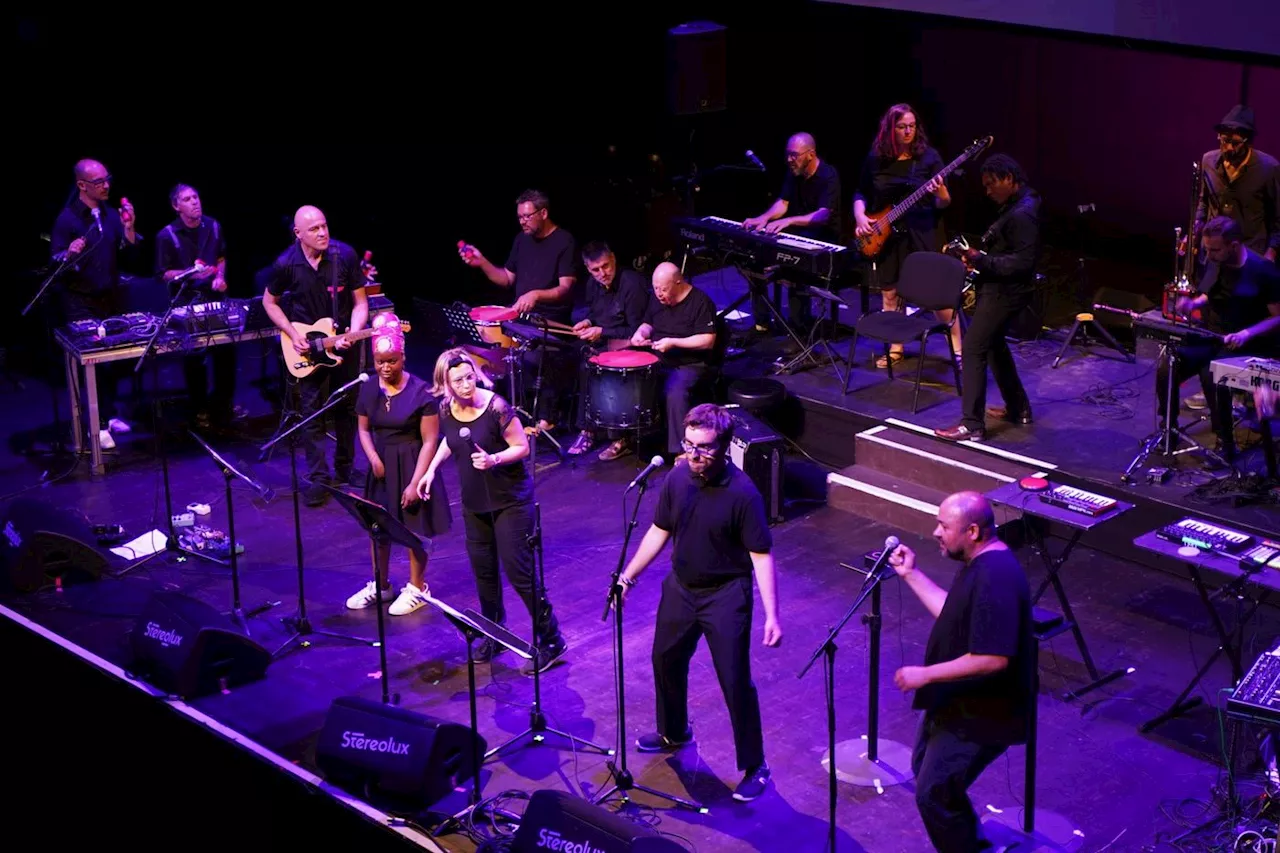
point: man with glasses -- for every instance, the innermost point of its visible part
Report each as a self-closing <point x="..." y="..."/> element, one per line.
<point x="541" y="268"/>
<point x="89" y="235"/>
<point x="809" y="205"/>
<point x="1242" y="182"/>
<point x="716" y="517"/>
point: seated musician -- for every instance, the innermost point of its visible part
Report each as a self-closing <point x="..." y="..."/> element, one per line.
<point x="680" y="326"/>
<point x="616" y="304"/>
<point x="808" y="204"/>
<point x="541" y="268"/>
<point x="1240" y="299"/>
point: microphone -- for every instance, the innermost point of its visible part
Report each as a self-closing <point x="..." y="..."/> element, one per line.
<point x="97" y="218"/>
<point x="890" y="544"/>
<point x="654" y="464"/>
<point x="363" y="377"/>
<point x="465" y="435"/>
<point x="755" y="161"/>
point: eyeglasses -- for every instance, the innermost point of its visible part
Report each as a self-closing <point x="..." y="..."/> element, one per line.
<point x="97" y="182"/>
<point x="525" y="217"/>
<point x="904" y="127"/>
<point x="700" y="449"/>
<point x="1231" y="140"/>
<point x="796" y="155"/>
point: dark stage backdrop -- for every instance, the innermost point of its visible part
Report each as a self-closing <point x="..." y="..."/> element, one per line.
<point x="412" y="135"/>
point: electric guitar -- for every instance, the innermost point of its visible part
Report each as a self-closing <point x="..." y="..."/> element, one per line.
<point x="870" y="245"/>
<point x="320" y="346"/>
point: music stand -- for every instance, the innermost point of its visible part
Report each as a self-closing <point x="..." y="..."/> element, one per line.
<point x="379" y="524"/>
<point x="230" y="472"/>
<point x="473" y="626"/>
<point x="818" y="339"/>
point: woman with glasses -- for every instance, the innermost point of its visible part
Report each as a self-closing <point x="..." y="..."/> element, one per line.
<point x="900" y="162"/>
<point x="484" y="436"/>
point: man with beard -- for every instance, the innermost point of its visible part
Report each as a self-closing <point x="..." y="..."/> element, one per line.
<point x="1243" y="183"/>
<point x="716" y="517"/>
<point x="808" y="204"/>
<point x="976" y="685"/>
<point x="322" y="279"/>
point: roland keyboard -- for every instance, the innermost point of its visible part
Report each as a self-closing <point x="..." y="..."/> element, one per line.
<point x="1246" y="372"/>
<point x="759" y="249"/>
<point x="1078" y="500"/>
<point x="1205" y="536"/>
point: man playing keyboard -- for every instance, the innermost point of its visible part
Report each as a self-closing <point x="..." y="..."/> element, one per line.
<point x="808" y="204"/>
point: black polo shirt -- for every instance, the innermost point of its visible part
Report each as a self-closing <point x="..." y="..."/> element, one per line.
<point x="96" y="269"/>
<point x="693" y="315"/>
<point x="309" y="290"/>
<point x="620" y="309"/>
<point x="987" y="612"/>
<point x="716" y="525"/>
<point x="179" y="247"/>
<point x="539" y="263"/>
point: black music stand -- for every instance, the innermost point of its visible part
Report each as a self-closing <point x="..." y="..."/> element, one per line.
<point x="867" y="767"/>
<point x="1036" y="515"/>
<point x="230" y="472"/>
<point x="472" y="626"/>
<point x="818" y="339"/>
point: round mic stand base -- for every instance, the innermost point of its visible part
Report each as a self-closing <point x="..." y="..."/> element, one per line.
<point x="1006" y="828"/>
<point x="891" y="766"/>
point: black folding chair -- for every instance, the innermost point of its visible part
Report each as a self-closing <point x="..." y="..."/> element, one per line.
<point x="931" y="281"/>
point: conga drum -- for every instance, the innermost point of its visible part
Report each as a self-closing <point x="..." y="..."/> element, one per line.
<point x="622" y="390"/>
<point x="489" y="320"/>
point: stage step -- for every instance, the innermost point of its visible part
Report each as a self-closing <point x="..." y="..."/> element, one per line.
<point x="883" y="497"/>
<point x="940" y="465"/>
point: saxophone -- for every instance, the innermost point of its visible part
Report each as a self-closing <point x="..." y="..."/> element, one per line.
<point x="1186" y="250"/>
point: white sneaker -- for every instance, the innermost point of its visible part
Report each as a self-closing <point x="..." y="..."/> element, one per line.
<point x="409" y="600"/>
<point x="366" y="596"/>
<point x="117" y="425"/>
<point x="105" y="441"/>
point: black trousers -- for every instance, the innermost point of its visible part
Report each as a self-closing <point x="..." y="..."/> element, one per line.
<point x="945" y="765"/>
<point x="723" y="616"/>
<point x="1195" y="359"/>
<point x="985" y="346"/>
<point x="681" y="385"/>
<point x="99" y="306"/>
<point x="313" y="391"/>
<point x="196" y="373"/>
<point x="503" y="536"/>
<point x="552" y="387"/>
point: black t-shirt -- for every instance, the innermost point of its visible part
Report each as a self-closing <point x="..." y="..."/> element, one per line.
<point x="620" y="310"/>
<point x="1239" y="296"/>
<point x="885" y="181"/>
<point x="495" y="488"/>
<point x="179" y="247"/>
<point x="987" y="612"/>
<point x="400" y="420"/>
<point x="716" y="525"/>
<point x="539" y="264"/>
<point x="805" y="195"/>
<point x="310" y="297"/>
<point x="693" y="315"/>
<point x="96" y="269"/>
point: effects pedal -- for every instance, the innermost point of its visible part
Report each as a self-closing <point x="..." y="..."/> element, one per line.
<point x="1157" y="476"/>
<point x="186" y="519"/>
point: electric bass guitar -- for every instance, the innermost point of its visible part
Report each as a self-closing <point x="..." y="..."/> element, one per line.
<point x="882" y="223"/>
<point x="320" y="346"/>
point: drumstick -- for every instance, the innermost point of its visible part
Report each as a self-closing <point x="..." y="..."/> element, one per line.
<point x="551" y="325"/>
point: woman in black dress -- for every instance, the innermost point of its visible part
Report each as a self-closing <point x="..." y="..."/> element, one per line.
<point x="488" y="444"/>
<point x="399" y="425"/>
<point x="900" y="161"/>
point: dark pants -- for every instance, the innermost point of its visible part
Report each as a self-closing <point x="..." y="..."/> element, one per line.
<point x="504" y="536"/>
<point x="99" y="306"/>
<point x="681" y="384"/>
<point x="196" y="373"/>
<point x="985" y="345"/>
<point x="313" y="391"/>
<point x="945" y="765"/>
<point x="1195" y="359"/>
<point x="552" y="387"/>
<point x="723" y="616"/>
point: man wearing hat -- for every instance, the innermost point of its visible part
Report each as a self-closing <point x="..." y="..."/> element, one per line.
<point x="1243" y="183"/>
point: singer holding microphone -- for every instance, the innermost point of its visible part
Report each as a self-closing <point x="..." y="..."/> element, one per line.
<point x="487" y="441"/>
<point x="716" y="518"/>
<point x="976" y="685"/>
<point x="88" y="237"/>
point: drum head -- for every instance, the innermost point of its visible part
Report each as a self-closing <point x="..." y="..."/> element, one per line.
<point x="492" y="313"/>
<point x="624" y="358"/>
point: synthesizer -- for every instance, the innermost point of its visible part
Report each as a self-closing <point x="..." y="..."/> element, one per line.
<point x="1246" y="373"/>
<point x="727" y="236"/>
<point x="1205" y="536"/>
<point x="1265" y="553"/>
<point x="1078" y="500"/>
<point x="210" y="318"/>
<point x="1257" y="696"/>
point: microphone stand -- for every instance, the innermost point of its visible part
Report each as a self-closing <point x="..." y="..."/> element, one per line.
<point x="298" y="623"/>
<point x="618" y="772"/>
<point x="870" y="770"/>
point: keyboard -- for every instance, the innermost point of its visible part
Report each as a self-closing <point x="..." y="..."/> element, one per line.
<point x="1205" y="536"/>
<point x="1265" y="553"/>
<point x="763" y="250"/>
<point x="1246" y="372"/>
<point x="1257" y="696"/>
<point x="1078" y="500"/>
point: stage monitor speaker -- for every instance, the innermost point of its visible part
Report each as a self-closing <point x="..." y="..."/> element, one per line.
<point x="759" y="452"/>
<point x="1029" y="324"/>
<point x="189" y="649"/>
<point x="697" y="68"/>
<point x="555" y="820"/>
<point x="40" y="542"/>
<point x="405" y="759"/>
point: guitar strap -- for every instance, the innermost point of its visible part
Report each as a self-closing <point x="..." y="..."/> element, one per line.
<point x="332" y="256"/>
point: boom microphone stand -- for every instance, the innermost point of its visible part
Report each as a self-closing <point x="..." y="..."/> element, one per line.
<point x="618" y="772"/>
